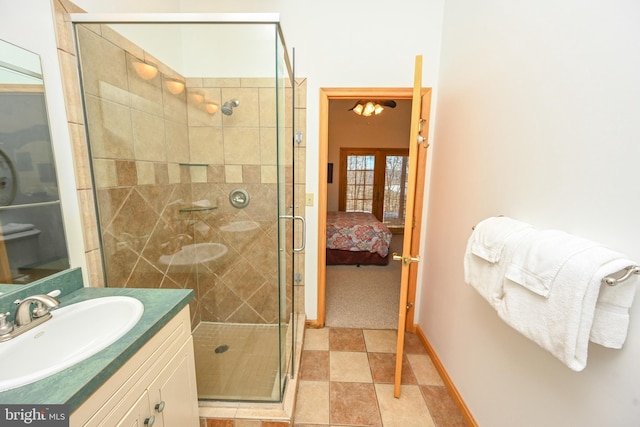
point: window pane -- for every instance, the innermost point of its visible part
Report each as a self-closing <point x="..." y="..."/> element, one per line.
<point x="395" y="190"/>
<point x="360" y="179"/>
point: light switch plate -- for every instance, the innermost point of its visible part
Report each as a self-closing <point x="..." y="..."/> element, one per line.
<point x="309" y="199"/>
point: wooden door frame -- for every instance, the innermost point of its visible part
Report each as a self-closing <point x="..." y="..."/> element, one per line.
<point x="326" y="95"/>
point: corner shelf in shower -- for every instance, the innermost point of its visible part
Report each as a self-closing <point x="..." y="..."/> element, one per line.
<point x="198" y="208"/>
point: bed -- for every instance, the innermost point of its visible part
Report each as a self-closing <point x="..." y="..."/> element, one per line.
<point x="356" y="238"/>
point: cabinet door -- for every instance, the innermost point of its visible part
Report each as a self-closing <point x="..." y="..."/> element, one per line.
<point x="135" y="417"/>
<point x="173" y="394"/>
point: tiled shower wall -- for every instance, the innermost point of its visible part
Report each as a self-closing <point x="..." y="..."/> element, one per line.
<point x="156" y="155"/>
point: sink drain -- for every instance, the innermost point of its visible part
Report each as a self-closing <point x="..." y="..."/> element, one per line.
<point x="222" y="348"/>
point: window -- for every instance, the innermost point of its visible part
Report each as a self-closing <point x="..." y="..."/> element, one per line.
<point x="375" y="181"/>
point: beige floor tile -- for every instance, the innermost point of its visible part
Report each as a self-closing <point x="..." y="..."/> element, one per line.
<point x="409" y="410"/>
<point x="380" y="341"/>
<point x="349" y="366"/>
<point x="424" y="370"/>
<point x="312" y="406"/>
<point x="316" y="339"/>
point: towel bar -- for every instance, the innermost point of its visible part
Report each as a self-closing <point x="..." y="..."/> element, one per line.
<point x="612" y="281"/>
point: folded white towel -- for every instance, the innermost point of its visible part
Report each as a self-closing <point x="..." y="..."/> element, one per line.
<point x="484" y="263"/>
<point x="561" y="323"/>
<point x="611" y="318"/>
<point x="537" y="258"/>
<point x="490" y="236"/>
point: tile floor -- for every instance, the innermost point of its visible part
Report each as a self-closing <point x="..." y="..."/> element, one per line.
<point x="346" y="379"/>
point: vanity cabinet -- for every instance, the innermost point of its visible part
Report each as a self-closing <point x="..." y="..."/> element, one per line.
<point x="157" y="386"/>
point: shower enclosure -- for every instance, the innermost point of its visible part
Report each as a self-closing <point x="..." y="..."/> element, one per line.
<point x="189" y="122"/>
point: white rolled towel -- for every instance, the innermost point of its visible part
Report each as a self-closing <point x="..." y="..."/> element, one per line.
<point x="611" y="318"/>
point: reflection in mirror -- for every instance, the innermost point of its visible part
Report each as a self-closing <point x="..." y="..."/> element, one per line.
<point x="32" y="240"/>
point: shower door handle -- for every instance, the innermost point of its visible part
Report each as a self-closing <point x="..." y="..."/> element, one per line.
<point x="304" y="229"/>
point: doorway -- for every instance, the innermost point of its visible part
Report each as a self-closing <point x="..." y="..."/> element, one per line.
<point x="341" y="100"/>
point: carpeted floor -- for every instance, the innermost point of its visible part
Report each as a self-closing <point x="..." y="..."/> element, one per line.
<point x="364" y="297"/>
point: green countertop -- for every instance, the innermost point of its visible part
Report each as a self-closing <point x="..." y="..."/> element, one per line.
<point x="76" y="383"/>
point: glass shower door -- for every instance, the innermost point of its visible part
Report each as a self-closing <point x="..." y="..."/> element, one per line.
<point x="193" y="172"/>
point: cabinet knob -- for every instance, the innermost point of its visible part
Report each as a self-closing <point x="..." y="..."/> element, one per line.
<point x="150" y="421"/>
<point x="160" y="406"/>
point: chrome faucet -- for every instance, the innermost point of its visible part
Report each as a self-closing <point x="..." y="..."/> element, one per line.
<point x="44" y="303"/>
<point x="25" y="319"/>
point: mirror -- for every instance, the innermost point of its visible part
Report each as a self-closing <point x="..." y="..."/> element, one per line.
<point x="32" y="239"/>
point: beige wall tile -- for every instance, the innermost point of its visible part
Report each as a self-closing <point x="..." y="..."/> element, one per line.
<point x="268" y="107"/>
<point x="174" y="170"/>
<point x="221" y="82"/>
<point x="122" y="42"/>
<point x="94" y="265"/>
<point x="110" y="129"/>
<point x="177" y="138"/>
<point x="247" y="114"/>
<point x="269" y="174"/>
<point x="206" y="145"/>
<point x="198" y="174"/>
<point x="257" y="82"/>
<point x="89" y="220"/>
<point x="241" y="146"/>
<point x="80" y="156"/>
<point x="105" y="173"/>
<point x="72" y="96"/>
<point x="148" y="137"/>
<point x="103" y="64"/>
<point x="268" y="146"/>
<point x="146" y="173"/>
<point x="233" y="174"/>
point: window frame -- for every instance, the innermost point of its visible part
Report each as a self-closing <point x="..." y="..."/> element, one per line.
<point x="380" y="155"/>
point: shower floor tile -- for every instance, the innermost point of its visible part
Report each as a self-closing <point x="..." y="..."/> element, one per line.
<point x="236" y="361"/>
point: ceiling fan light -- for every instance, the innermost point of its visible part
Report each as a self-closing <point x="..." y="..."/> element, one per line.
<point x="358" y="108"/>
<point x="378" y="109"/>
<point x="369" y="108"/>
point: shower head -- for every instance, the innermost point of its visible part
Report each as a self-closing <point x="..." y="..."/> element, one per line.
<point x="227" y="107"/>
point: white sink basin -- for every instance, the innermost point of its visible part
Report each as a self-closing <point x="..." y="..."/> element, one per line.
<point x="73" y="334"/>
<point x="194" y="254"/>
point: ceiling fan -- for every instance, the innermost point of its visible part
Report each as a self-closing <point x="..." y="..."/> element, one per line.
<point x="371" y="107"/>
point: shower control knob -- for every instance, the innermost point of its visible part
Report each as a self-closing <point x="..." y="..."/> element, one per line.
<point x="160" y="406"/>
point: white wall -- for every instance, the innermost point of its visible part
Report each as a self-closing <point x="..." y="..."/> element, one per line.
<point x="538" y="118"/>
<point x="29" y="24"/>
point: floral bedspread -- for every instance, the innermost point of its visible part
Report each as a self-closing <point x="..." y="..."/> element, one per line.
<point x="357" y="231"/>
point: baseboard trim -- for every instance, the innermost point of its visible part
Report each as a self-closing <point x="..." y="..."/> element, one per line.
<point x="468" y="417"/>
<point x="314" y="324"/>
